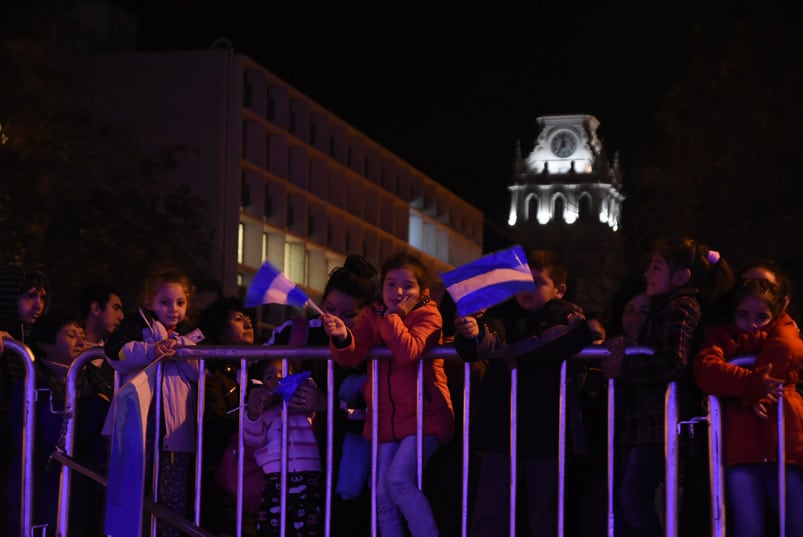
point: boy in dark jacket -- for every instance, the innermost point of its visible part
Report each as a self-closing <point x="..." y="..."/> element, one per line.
<point x="533" y="332"/>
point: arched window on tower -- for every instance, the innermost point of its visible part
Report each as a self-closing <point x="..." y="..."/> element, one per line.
<point x="531" y="209"/>
<point x="558" y="208"/>
<point x="584" y="206"/>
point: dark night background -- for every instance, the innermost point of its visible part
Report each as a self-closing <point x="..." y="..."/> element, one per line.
<point x="703" y="107"/>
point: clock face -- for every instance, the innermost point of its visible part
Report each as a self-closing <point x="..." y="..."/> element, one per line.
<point x="563" y="144"/>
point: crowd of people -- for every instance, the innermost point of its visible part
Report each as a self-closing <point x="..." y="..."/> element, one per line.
<point x="688" y="306"/>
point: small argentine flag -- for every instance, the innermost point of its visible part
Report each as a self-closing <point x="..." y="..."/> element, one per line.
<point x="271" y="286"/>
<point x="489" y="280"/>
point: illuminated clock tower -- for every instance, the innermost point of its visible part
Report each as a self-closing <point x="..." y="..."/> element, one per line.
<point x="566" y="195"/>
<point x="566" y="174"/>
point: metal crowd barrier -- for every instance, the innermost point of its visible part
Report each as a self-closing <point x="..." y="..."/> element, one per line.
<point x="248" y="353"/>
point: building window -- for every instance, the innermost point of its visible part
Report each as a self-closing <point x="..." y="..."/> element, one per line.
<point x="264" y="245"/>
<point x="331" y="146"/>
<point x="310" y="225"/>
<point x="268" y="208"/>
<point x="313" y="133"/>
<point x="240" y="241"/>
<point x="348" y="241"/>
<point x="245" y="192"/>
<point x="291" y="216"/>
<point x="292" y="121"/>
<point x="248" y="92"/>
<point x="295" y="262"/>
<point x="348" y="156"/>
<point x="271" y="108"/>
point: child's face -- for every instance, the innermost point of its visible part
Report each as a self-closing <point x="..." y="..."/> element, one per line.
<point x="31" y="304"/>
<point x="169" y="304"/>
<point x="239" y="329"/>
<point x="399" y="283"/>
<point x="635" y="313"/>
<point x="271" y="375"/>
<point x="545" y="290"/>
<point x="68" y="345"/>
<point x="752" y="314"/>
<point x="660" y="277"/>
<point x="342" y="305"/>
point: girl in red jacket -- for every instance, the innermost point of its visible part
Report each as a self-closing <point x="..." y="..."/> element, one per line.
<point x="759" y="327"/>
<point x="409" y="323"/>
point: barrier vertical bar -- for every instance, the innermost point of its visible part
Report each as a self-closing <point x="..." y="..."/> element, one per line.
<point x="781" y="470"/>
<point x="199" y="437"/>
<point x="562" y="449"/>
<point x="157" y="435"/>
<point x="241" y="444"/>
<point x="671" y="457"/>
<point x="330" y="421"/>
<point x="466" y="445"/>
<point x="374" y="440"/>
<point x="715" y="468"/>
<point x="419" y="424"/>
<point x="611" y="454"/>
<point x="283" y="472"/>
<point x="514" y="419"/>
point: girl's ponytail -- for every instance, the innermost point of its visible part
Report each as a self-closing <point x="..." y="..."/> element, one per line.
<point x="719" y="276"/>
<point x="710" y="272"/>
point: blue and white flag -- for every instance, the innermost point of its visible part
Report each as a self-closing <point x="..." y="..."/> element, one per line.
<point x="271" y="286"/>
<point x="126" y="488"/>
<point x="489" y="280"/>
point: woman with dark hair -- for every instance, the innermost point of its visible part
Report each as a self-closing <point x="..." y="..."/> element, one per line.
<point x="224" y="322"/>
<point x="349" y="288"/>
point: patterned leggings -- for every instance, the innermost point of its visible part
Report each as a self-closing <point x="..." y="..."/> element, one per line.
<point x="303" y="505"/>
<point x="174" y="474"/>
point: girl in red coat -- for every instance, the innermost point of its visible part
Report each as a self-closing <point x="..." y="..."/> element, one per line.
<point x="409" y="323"/>
<point x="759" y="327"/>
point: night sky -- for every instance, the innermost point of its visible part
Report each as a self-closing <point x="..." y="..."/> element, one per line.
<point x="451" y="86"/>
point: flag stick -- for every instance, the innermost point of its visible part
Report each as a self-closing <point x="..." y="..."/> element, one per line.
<point x="314" y="306"/>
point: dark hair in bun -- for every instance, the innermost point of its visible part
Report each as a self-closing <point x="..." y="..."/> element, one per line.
<point x="356" y="278"/>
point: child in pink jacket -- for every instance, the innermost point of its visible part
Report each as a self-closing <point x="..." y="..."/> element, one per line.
<point x="262" y="429"/>
<point x="409" y="323"/>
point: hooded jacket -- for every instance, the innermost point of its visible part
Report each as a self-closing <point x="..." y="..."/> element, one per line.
<point x="748" y="438"/>
<point x="131" y="348"/>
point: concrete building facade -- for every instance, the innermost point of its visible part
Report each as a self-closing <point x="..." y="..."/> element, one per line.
<point x="283" y="178"/>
